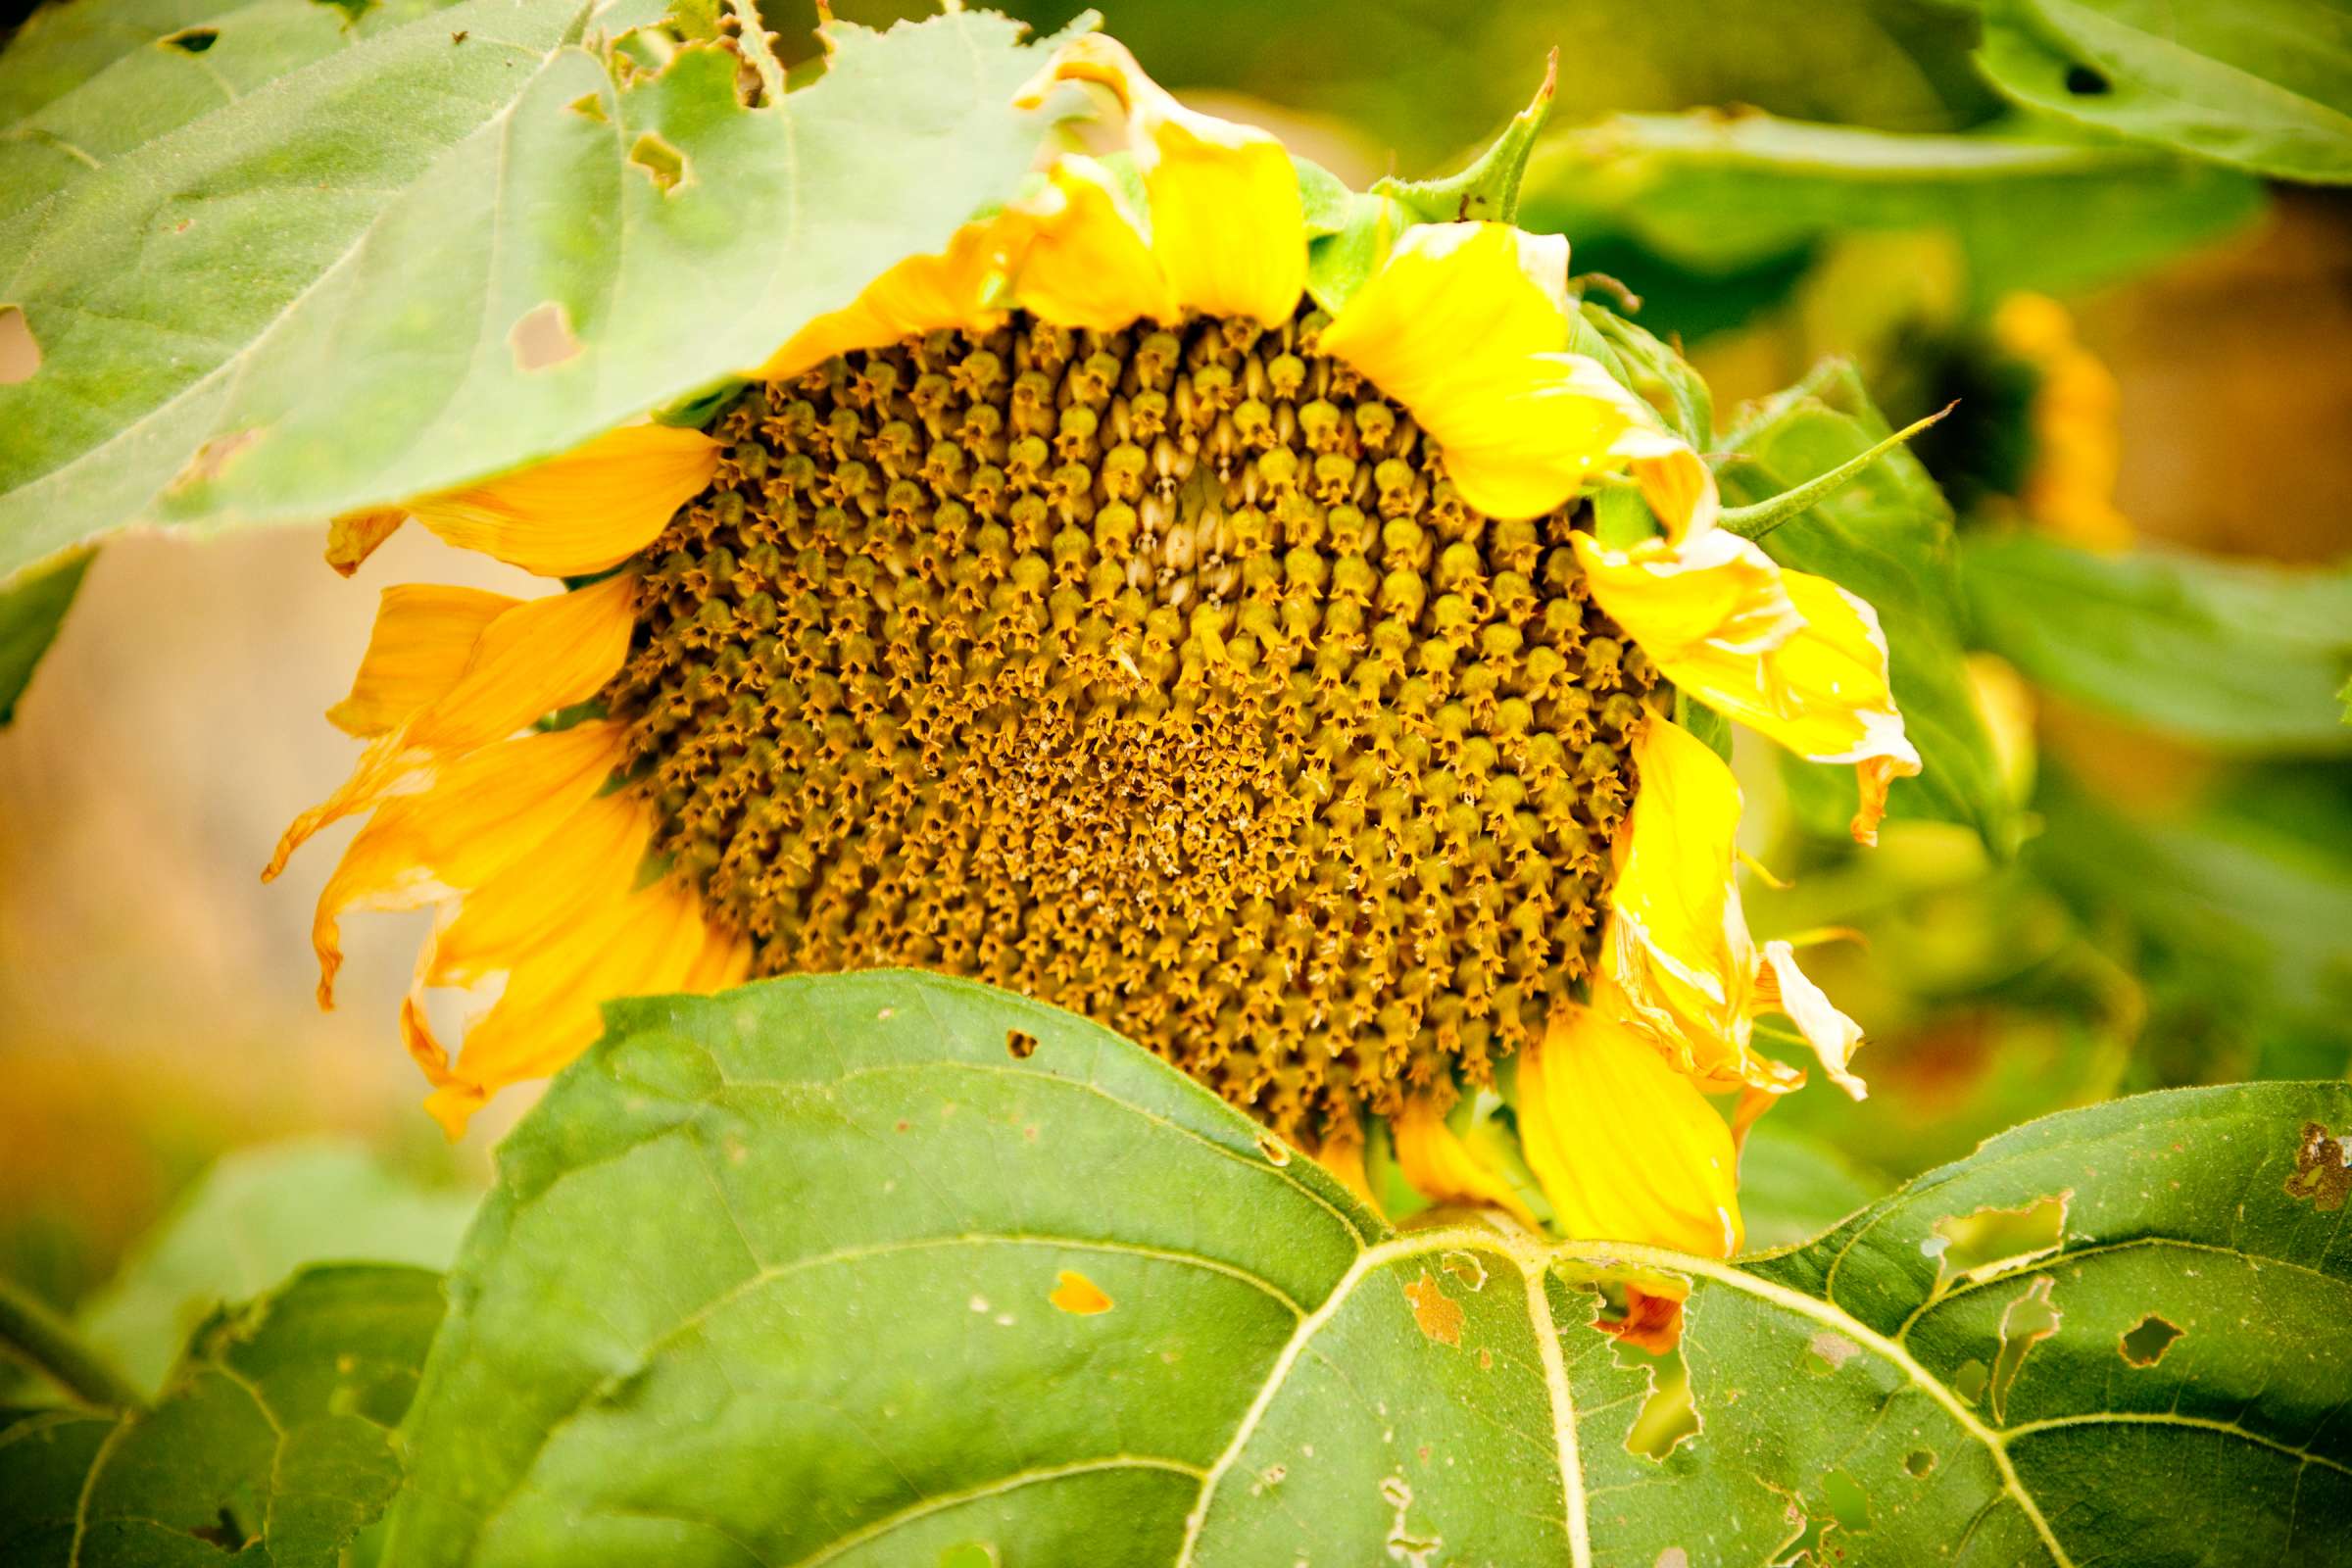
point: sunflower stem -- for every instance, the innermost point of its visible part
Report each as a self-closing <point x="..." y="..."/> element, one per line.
<point x="1754" y="522"/>
<point x="33" y="1333"/>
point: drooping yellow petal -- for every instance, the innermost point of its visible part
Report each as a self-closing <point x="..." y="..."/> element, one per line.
<point x="1626" y="1149"/>
<point x="583" y="512"/>
<point x="1444" y="1169"/>
<point x="1455" y="330"/>
<point x="639" y="943"/>
<point x="590" y="861"/>
<point x="424" y="634"/>
<point x="481" y="814"/>
<point x="1227" y="225"/>
<point x="957" y="288"/>
<point x="1677" y="963"/>
<point x="1676" y="947"/>
<point x="1791" y="655"/>
<point x="1785" y="987"/>
<point x="1087" y="266"/>
<point x="537" y="657"/>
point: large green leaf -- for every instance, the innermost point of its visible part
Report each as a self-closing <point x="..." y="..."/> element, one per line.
<point x="1887" y="536"/>
<point x="2229" y="654"/>
<point x="254" y="1218"/>
<point x="271" y="1444"/>
<point x="1721" y="194"/>
<point x="31" y="612"/>
<point x="893" y="1269"/>
<point x="378" y="261"/>
<point x="2262" y="85"/>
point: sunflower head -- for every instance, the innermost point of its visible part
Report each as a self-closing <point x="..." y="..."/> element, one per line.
<point x="1173" y="606"/>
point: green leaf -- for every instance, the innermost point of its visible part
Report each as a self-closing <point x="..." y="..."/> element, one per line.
<point x="1887" y="536"/>
<point x="1723" y="194"/>
<point x="2229" y="654"/>
<point x="799" y="1274"/>
<point x="2261" y="84"/>
<point x="272" y="1441"/>
<point x="31" y="612"/>
<point x="254" y="1218"/>
<point x="1793" y="1187"/>
<point x="330" y="292"/>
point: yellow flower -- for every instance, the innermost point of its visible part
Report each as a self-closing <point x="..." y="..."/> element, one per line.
<point x="2069" y="486"/>
<point x="1087" y="609"/>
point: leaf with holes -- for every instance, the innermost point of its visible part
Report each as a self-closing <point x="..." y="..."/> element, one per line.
<point x="270" y="263"/>
<point x="888" y="1268"/>
<point x="271" y="1443"/>
<point x="2262" y="85"/>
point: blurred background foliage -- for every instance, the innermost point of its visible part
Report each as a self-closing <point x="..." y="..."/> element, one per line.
<point x="2144" y="312"/>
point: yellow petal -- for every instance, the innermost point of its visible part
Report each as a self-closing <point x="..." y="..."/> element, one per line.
<point x="583" y="512"/>
<point x="424" y="634"/>
<point x="591" y="861"/>
<point x="1627" y="1148"/>
<point x="481" y="814"/>
<point x="1455" y="330"/>
<point x="1088" y="265"/>
<point x="1790" y="655"/>
<point x="354" y="536"/>
<point x="925" y="293"/>
<point x="537" y="657"/>
<point x="1676" y="947"/>
<point x="1444" y="1169"/>
<point x="1831" y="1033"/>
<point x="641" y="943"/>
<point x="1227" y="226"/>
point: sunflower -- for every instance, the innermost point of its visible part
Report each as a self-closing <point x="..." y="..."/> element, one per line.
<point x="1098" y="609"/>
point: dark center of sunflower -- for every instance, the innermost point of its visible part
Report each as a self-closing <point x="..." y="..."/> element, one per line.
<point x="1159" y="674"/>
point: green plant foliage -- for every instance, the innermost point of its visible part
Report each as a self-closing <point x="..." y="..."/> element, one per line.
<point x="2235" y="655"/>
<point x="355" y="263"/>
<point x="2261" y="84"/>
<point x="31" y="613"/>
<point x="893" y="1269"/>
<point x="271" y="1444"/>
<point x="1887" y="536"/>
<point x="1723" y="194"/>
<point x="254" y="1218"/>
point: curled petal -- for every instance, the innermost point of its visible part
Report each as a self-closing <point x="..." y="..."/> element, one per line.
<point x="423" y="635"/>
<point x="1455" y="330"/>
<point x="354" y="535"/>
<point x="1227" y="225"/>
<point x="583" y="512"/>
<point x="528" y="904"/>
<point x="537" y="657"/>
<point x="1790" y="655"/>
<point x="1087" y="266"/>
<point x="480" y="815"/>
<point x="1444" y="1169"/>
<point x="1627" y="1148"/>
<point x="1785" y="987"/>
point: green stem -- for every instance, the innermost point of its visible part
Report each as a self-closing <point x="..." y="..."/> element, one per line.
<point x="1754" y="522"/>
<point x="46" y="1343"/>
